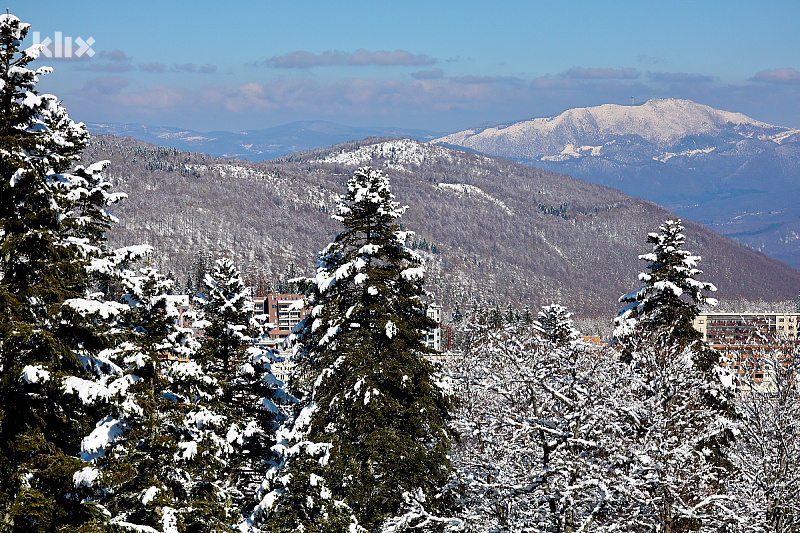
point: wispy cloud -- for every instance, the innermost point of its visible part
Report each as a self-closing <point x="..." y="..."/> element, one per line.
<point x="785" y="76"/>
<point x="427" y="99"/>
<point x="114" y="61"/>
<point x="105" y="85"/>
<point x="361" y="57"/>
<point x="191" y="67"/>
<point x="152" y="66"/>
<point x="489" y="80"/>
<point x="434" y="74"/>
<point x="113" y="55"/>
<point x="107" y="66"/>
<point x="679" y="77"/>
<point x="650" y="60"/>
<point x="581" y="73"/>
<point x="554" y="83"/>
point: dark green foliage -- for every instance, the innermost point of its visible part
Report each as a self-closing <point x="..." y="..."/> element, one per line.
<point x="367" y="390"/>
<point x="51" y="227"/>
<point x="171" y="461"/>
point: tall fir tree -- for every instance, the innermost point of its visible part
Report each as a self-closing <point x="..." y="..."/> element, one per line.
<point x="670" y="298"/>
<point x="248" y="391"/>
<point x="52" y="324"/>
<point x="226" y="307"/>
<point x="678" y="405"/>
<point x="369" y="445"/>
<point x="163" y="459"/>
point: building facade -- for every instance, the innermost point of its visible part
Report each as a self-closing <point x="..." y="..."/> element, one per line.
<point x="433" y="338"/>
<point x="285" y="311"/>
<point x="745" y="338"/>
<point x="731" y="329"/>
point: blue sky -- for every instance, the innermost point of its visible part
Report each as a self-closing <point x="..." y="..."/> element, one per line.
<point x="442" y="66"/>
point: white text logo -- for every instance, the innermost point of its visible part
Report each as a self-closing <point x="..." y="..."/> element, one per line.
<point x="62" y="46"/>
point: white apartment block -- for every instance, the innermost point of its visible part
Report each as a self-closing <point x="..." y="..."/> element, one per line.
<point x="729" y="329"/>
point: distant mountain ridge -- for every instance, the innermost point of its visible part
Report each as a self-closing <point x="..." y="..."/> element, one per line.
<point x="255" y="145"/>
<point x="491" y="230"/>
<point x="734" y="174"/>
<point x="661" y="122"/>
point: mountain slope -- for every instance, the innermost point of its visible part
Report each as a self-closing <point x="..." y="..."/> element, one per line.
<point x="491" y="230"/>
<point x="724" y="169"/>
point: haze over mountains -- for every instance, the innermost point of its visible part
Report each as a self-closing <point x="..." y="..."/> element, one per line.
<point x="256" y="145"/>
<point x="734" y="174"/>
<point x="490" y="229"/>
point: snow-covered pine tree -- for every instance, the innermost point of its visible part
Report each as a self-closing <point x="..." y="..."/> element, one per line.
<point x="457" y="316"/>
<point x="676" y="403"/>
<point x="248" y="391"/>
<point x="670" y="298"/>
<point x="555" y="324"/>
<point x="51" y="323"/>
<point x="163" y="457"/>
<point x="226" y="307"/>
<point x="369" y="445"/>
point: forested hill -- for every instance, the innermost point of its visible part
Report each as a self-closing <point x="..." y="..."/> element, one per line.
<point x="490" y="229"/>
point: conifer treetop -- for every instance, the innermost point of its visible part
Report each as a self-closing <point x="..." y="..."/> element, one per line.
<point x="671" y="296"/>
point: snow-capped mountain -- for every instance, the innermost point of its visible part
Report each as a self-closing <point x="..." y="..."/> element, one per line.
<point x="661" y="123"/>
<point x="733" y="173"/>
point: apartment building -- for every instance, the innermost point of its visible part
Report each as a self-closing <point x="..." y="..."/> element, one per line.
<point x="433" y="338"/>
<point x="729" y="329"/>
<point x="745" y="338"/>
<point x="283" y="310"/>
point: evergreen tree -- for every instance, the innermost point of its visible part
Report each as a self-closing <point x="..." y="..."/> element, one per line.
<point x="509" y="318"/>
<point x="201" y="265"/>
<point x="496" y="318"/>
<point x="227" y="308"/>
<point x="670" y="298"/>
<point x="368" y="446"/>
<point x="52" y="324"/>
<point x="457" y="315"/>
<point x="289" y="275"/>
<point x="164" y="457"/>
<point x="675" y="399"/>
<point x="189" y="288"/>
<point x="248" y="391"/>
<point x="555" y="324"/>
<point x="527" y="318"/>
